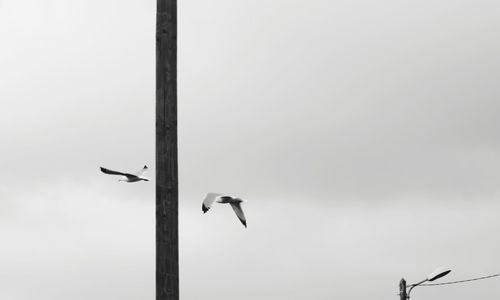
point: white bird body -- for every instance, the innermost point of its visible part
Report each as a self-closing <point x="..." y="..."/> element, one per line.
<point x="133" y="179"/>
<point x="235" y="203"/>
<point x="127" y="177"/>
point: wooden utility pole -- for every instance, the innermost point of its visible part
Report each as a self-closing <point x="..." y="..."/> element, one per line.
<point x="167" y="193"/>
<point x="402" y="289"/>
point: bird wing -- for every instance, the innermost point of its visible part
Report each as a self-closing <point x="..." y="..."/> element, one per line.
<point x="239" y="212"/>
<point x="111" y="172"/>
<point x="142" y="171"/>
<point x="208" y="201"/>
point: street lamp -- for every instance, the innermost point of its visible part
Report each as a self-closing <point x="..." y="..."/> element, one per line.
<point x="436" y="274"/>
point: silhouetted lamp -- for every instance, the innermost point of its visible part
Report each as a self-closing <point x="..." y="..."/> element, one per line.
<point x="438" y="273"/>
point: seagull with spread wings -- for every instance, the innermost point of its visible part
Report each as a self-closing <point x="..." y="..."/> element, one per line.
<point x="224" y="199"/>
<point x="127" y="177"/>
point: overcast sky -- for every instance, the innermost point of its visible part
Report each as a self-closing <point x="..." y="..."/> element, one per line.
<point x="364" y="135"/>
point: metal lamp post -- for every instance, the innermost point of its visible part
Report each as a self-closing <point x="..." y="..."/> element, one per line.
<point x="436" y="274"/>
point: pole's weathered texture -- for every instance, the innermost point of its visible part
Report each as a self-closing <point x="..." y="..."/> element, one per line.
<point x="402" y="289"/>
<point x="167" y="239"/>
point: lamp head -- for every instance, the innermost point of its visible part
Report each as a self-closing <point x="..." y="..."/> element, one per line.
<point x="438" y="273"/>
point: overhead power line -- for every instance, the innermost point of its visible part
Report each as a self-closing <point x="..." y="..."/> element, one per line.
<point x="460" y="281"/>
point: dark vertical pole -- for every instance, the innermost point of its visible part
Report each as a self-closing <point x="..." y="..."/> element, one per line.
<point x="167" y="239"/>
<point x="402" y="289"/>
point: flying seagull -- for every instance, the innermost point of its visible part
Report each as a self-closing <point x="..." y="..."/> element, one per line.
<point x="127" y="177"/>
<point x="220" y="198"/>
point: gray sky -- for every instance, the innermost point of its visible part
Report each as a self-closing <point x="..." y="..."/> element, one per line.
<point x="363" y="134"/>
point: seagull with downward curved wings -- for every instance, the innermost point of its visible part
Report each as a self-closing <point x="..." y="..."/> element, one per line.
<point x="127" y="177"/>
<point x="235" y="203"/>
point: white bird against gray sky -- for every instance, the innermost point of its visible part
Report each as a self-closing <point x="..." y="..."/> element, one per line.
<point x="235" y="203"/>
<point x="127" y="177"/>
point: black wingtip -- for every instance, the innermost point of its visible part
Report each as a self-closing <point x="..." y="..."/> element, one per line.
<point x="244" y="223"/>
<point x="204" y="208"/>
<point x="145" y="167"/>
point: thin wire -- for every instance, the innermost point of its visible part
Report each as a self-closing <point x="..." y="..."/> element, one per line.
<point x="460" y="281"/>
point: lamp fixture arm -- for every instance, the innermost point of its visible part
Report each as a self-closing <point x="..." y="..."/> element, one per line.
<point x="414" y="285"/>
